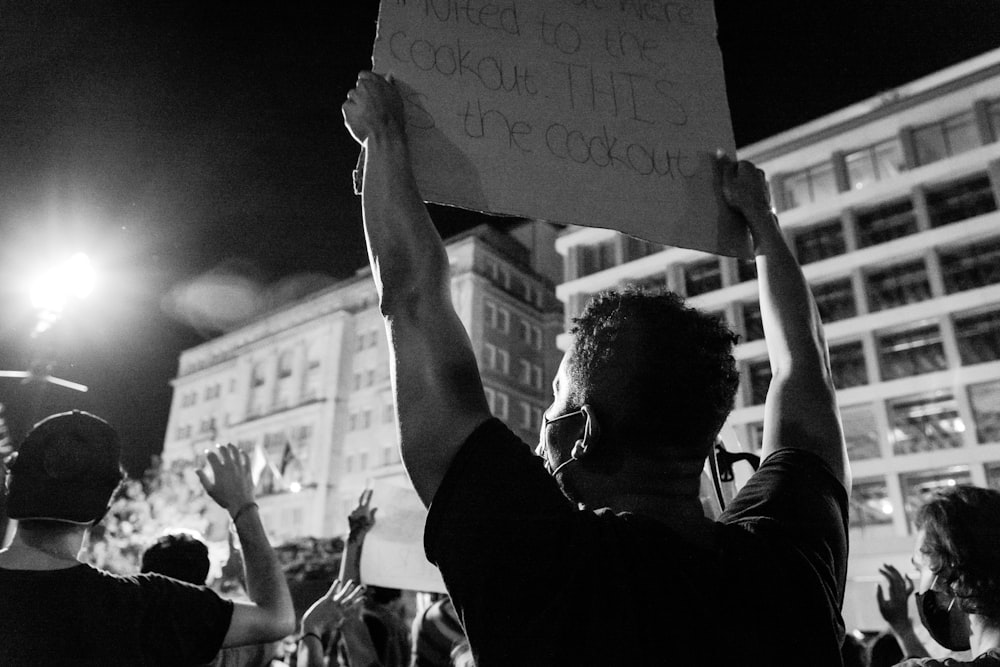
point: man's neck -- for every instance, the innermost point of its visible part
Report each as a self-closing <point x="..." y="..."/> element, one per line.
<point x="44" y="549"/>
<point x="681" y="513"/>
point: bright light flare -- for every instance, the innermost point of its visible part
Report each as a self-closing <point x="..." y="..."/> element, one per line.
<point x="73" y="279"/>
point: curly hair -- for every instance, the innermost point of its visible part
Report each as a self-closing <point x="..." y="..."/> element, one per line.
<point x="654" y="369"/>
<point x="962" y="543"/>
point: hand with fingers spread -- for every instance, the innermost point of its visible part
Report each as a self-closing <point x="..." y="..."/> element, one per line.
<point x="893" y="606"/>
<point x="328" y="613"/>
<point x="362" y="518"/>
<point x="232" y="486"/>
<point x="374" y="108"/>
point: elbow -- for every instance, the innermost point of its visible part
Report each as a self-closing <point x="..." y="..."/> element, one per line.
<point x="286" y="625"/>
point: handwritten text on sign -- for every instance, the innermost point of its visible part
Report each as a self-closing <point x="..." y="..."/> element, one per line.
<point x="595" y="112"/>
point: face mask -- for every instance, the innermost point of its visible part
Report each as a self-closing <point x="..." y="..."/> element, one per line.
<point x="945" y="623"/>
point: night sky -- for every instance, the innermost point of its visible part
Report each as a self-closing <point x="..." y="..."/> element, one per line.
<point x="177" y="140"/>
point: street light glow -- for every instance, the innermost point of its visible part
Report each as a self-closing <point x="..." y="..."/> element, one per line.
<point x="53" y="289"/>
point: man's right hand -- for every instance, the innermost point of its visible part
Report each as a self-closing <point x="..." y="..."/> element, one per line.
<point x="374" y="108"/>
<point x="232" y="486"/>
<point x="744" y="188"/>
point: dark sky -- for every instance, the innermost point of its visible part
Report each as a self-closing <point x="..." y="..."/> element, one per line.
<point x="171" y="139"/>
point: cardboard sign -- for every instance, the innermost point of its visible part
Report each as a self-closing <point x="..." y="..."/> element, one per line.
<point x="393" y="555"/>
<point x="603" y="113"/>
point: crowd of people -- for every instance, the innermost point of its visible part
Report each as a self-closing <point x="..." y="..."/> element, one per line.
<point x="591" y="548"/>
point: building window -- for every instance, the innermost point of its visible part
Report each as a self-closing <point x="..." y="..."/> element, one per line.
<point x="925" y="423"/>
<point x="993" y="476"/>
<point x="972" y="266"/>
<point x="898" y="285"/>
<point x="525" y="412"/>
<point x="835" y="300"/>
<point x="524" y="332"/>
<point x="809" y="185"/>
<point x="755" y="432"/>
<point x="870" y="504"/>
<point x="945" y="138"/>
<point x="993" y="113"/>
<point x="503" y="361"/>
<point x="847" y="361"/>
<point x="490" y="356"/>
<point x="366" y="418"/>
<point x="885" y="223"/>
<point x="984" y="399"/>
<point x="978" y="337"/>
<point x="702" y="277"/>
<point x="491" y="398"/>
<point x="639" y="248"/>
<point x="753" y="326"/>
<point x="259" y="377"/>
<point x="594" y="258"/>
<point x="352" y="422"/>
<point x="961" y="200"/>
<point x="525" y="374"/>
<point x="500" y="407"/>
<point x="919" y="487"/>
<point x="356" y="381"/>
<point x="874" y="163"/>
<point x="654" y="283"/>
<point x="759" y="373"/>
<point x="861" y="432"/>
<point x="820" y="242"/>
<point x="911" y="352"/>
<point x="746" y="270"/>
<point x="388" y="413"/>
<point x="536" y="377"/>
<point x="349" y="464"/>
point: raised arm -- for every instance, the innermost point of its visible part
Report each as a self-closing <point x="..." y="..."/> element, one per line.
<point x="359" y="522"/>
<point x="271" y="616"/>
<point x="439" y="395"/>
<point x="801" y="406"/>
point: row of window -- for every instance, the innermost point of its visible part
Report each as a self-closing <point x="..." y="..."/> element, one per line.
<point x="388" y="455"/>
<point x="498" y="359"/>
<point x="912" y="351"/>
<point x="528" y="416"/>
<point x="501" y="276"/>
<point x="369" y="377"/>
<point x="885" y="159"/>
<point x="211" y="391"/>
<point x="945" y="204"/>
<point x="871" y="504"/>
<point x="366" y="339"/>
<point x="917" y="423"/>
<point x="962" y="268"/>
<point x="498" y="318"/>
<point x="361" y="419"/>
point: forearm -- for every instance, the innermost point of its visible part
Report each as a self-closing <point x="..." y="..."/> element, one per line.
<point x="793" y="331"/>
<point x="406" y="253"/>
<point x="266" y="585"/>
<point x="310" y="653"/>
<point x="350" y="561"/>
<point x="358" y="644"/>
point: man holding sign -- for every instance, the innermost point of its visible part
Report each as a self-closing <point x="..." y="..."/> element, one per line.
<point x="597" y="552"/>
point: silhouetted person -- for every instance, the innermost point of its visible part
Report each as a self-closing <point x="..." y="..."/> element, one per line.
<point x="557" y="559"/>
<point x="55" y="610"/>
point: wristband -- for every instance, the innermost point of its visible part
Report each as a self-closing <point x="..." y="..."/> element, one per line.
<point x="244" y="509"/>
<point x="311" y="634"/>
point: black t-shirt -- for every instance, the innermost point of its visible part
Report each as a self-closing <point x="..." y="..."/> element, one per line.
<point x="85" y="616"/>
<point x="538" y="582"/>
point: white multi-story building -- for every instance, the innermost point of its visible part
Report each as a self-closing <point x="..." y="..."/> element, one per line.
<point x="891" y="208"/>
<point x="305" y="389"/>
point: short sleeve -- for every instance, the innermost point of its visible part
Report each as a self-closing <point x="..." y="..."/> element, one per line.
<point x="794" y="499"/>
<point x="182" y="623"/>
<point x="498" y="517"/>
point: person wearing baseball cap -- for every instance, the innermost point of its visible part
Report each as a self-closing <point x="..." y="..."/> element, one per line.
<point x="57" y="610"/>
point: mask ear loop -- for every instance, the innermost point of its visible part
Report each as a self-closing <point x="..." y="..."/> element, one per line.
<point x="953" y="596"/>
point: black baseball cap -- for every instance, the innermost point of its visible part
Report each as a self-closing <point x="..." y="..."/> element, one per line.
<point x="66" y="470"/>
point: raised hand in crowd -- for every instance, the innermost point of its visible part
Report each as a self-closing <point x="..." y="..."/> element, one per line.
<point x="893" y="603"/>
<point x="359" y="522"/>
<point x="338" y="611"/>
<point x="271" y="616"/>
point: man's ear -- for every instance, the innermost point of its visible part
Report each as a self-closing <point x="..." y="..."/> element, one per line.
<point x="591" y="433"/>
